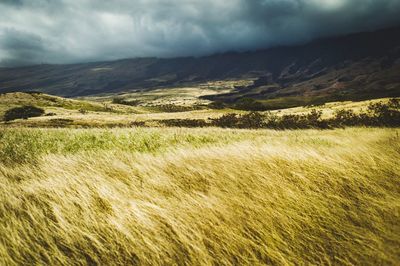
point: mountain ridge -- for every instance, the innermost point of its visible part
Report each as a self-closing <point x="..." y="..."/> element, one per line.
<point x="277" y="72"/>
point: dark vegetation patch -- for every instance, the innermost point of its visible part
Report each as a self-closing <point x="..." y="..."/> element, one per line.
<point x="120" y="100"/>
<point x="23" y="112"/>
<point x="138" y="124"/>
<point x="172" y="108"/>
<point x="61" y="122"/>
<point x="184" y="123"/>
<point x="253" y="104"/>
<point x="376" y="115"/>
<point x="251" y="99"/>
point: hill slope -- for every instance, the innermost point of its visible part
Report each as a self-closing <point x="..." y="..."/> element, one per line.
<point x="63" y="112"/>
<point x="364" y="65"/>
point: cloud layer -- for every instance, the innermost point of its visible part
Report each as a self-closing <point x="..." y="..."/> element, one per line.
<point x="68" y="31"/>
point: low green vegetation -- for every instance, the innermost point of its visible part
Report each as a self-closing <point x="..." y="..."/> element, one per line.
<point x="26" y="145"/>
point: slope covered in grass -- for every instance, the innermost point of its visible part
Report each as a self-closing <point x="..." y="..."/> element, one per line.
<point x="100" y="112"/>
<point x="8" y="100"/>
<point x="200" y="196"/>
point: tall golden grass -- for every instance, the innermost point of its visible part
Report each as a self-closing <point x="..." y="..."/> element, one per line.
<point x="212" y="197"/>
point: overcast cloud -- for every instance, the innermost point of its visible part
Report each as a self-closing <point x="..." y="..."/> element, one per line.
<point x="67" y="31"/>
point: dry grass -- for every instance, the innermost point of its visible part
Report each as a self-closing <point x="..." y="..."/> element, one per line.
<point x="329" y="109"/>
<point x="182" y="96"/>
<point x="205" y="197"/>
<point x="8" y="100"/>
<point x="124" y="116"/>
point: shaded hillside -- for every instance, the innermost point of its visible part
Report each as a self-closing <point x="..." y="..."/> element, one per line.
<point x="359" y="65"/>
<point x="359" y="80"/>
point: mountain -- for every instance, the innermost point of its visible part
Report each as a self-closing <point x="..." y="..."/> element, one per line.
<point x="356" y="66"/>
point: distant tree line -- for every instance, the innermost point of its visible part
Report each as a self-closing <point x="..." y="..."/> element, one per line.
<point x="120" y="100"/>
<point x="172" y="108"/>
<point x="376" y="115"/>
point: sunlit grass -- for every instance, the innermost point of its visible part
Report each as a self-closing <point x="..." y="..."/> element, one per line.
<point x="68" y="113"/>
<point x="199" y="197"/>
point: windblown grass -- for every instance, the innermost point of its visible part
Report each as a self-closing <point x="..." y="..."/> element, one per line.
<point x="200" y="197"/>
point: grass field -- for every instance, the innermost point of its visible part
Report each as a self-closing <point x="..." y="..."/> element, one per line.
<point x="156" y="195"/>
<point x="101" y="112"/>
<point x="162" y="196"/>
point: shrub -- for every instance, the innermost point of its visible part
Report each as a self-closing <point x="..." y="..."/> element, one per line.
<point x="378" y="114"/>
<point x="23" y="112"/>
<point x="61" y="122"/>
<point x="138" y="124"/>
<point x="252" y="120"/>
<point x="227" y="120"/>
<point x="346" y="118"/>
<point x="258" y="120"/>
<point x="385" y="114"/>
<point x="120" y="100"/>
<point x="172" y="108"/>
<point x="184" y="123"/>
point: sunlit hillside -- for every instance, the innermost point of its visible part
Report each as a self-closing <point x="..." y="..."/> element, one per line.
<point x="137" y="187"/>
<point x="152" y="108"/>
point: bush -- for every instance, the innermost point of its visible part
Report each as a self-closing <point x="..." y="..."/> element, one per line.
<point x="227" y="120"/>
<point x="138" y="124"/>
<point x="172" y="108"/>
<point x="122" y="101"/>
<point x="378" y="114"/>
<point x="252" y="120"/>
<point x="385" y="114"/>
<point x="184" y="123"/>
<point x="23" y="112"/>
<point x="61" y="122"/>
<point x="346" y="118"/>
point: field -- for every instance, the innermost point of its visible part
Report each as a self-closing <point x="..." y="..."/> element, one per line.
<point x="100" y="111"/>
<point x="104" y="181"/>
<point x="163" y="196"/>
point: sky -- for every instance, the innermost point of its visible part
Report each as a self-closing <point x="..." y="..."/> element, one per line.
<point x="73" y="31"/>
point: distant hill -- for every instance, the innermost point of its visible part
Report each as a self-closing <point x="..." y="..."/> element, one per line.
<point x="356" y="66"/>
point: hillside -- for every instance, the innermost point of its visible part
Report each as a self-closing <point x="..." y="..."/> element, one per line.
<point x="357" y="66"/>
<point x="164" y="111"/>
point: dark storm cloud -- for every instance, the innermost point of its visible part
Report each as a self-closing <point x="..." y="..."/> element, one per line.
<point x="65" y="31"/>
<point x="22" y="47"/>
<point x="12" y="2"/>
